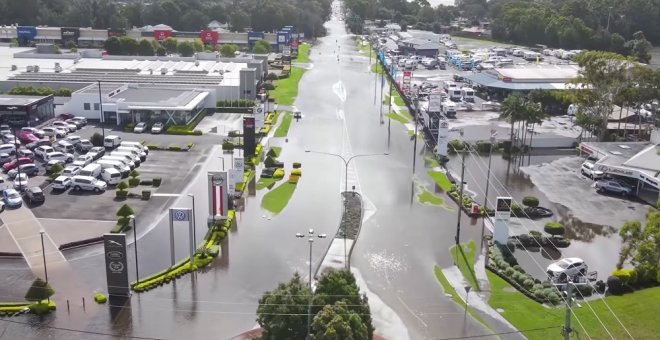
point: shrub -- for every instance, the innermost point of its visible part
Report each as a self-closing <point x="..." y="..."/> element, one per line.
<point x="122" y="186"/>
<point x="272" y="153"/>
<point x="278" y="174"/>
<point x="530" y="201"/>
<point x="600" y="286"/>
<point x="269" y="86"/>
<point x="270" y="162"/>
<point x="517" y="276"/>
<point x="146" y="194"/>
<point x="96" y="139"/>
<point x="553" y="298"/>
<point x="585" y="290"/>
<point x="614" y="285"/>
<point x="235" y="133"/>
<point x="134" y="173"/>
<point x="152" y="146"/>
<point x="227" y="145"/>
<point x="296" y="172"/>
<point x="100" y="298"/>
<point x="133" y="182"/>
<point x="121" y="193"/>
<point x="129" y="127"/>
<point x="554" y="228"/>
<point x="510" y="272"/>
<point x="519" y="268"/>
<point x="297" y="165"/>
<point x="482" y="146"/>
<point x="157" y="181"/>
<point x="456" y="145"/>
<point x="190" y="145"/>
<point x="628" y="276"/>
<point x="537" y="287"/>
<point x="39" y="308"/>
<point x="561" y="242"/>
<point x="56" y="169"/>
<point x="535" y="233"/>
<point x="540" y="294"/>
<point x="293" y="179"/>
<point x="517" y="210"/>
<point x="528" y="284"/>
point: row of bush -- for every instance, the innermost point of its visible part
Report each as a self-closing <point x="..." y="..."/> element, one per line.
<point x="171" y="147"/>
<point x="235" y="103"/>
<point x="17" y="308"/>
<point x="535" y="240"/>
<point x="466" y="203"/>
<point x="40" y="91"/>
<point x="205" y="253"/>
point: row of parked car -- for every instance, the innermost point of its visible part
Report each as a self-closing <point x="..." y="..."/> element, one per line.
<point x="606" y="185"/>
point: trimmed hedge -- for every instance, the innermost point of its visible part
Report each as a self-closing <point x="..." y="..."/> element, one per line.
<point x="182" y="130"/>
<point x="296" y="172"/>
<point x="100" y="298"/>
<point x="530" y="201"/>
<point x="235" y="103"/>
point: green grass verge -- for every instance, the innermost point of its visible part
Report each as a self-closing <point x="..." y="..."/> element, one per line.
<point x="277" y="150"/>
<point x="440" y="179"/>
<point x="428" y="197"/>
<point x="457" y="40"/>
<point x="464" y="259"/>
<point x="286" y="89"/>
<point x="376" y="68"/>
<point x="637" y="311"/>
<point x="431" y="162"/>
<point x="303" y="53"/>
<point x="364" y="49"/>
<point x="397" y="117"/>
<point x="276" y="200"/>
<point x="448" y="289"/>
<point x="265" y="182"/>
<point x="283" y="128"/>
<point x="398" y="101"/>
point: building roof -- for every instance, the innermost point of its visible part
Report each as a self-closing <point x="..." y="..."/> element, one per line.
<point x="10" y="99"/>
<point x="152" y="98"/>
<point x="647" y="159"/>
<point x="489" y="81"/>
<point x="540" y="72"/>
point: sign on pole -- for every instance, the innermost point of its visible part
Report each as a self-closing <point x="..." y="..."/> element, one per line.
<point x="259" y="116"/>
<point x="407" y="77"/>
<point x="443" y="136"/>
<point x="239" y="164"/>
<point x="182" y="215"/>
<point x="218" y="191"/>
<point x="116" y="268"/>
<point x="235" y="176"/>
<point x="435" y="102"/>
<point x="502" y="216"/>
<point x="286" y="51"/>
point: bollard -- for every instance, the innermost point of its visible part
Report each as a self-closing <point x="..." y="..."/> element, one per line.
<point x="67" y="305"/>
<point x="83" y="303"/>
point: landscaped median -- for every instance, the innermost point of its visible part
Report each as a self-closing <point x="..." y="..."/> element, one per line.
<point x="206" y="252"/>
<point x="15" y="308"/>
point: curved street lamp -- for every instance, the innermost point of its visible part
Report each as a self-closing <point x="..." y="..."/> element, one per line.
<point x="310" y="233"/>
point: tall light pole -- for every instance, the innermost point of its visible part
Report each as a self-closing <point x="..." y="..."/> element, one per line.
<point x="101" y="110"/>
<point x="43" y="253"/>
<point x="460" y="195"/>
<point x="493" y="133"/>
<point x="416" y="104"/>
<point x="194" y="239"/>
<point x="310" y="233"/>
<point x="137" y="271"/>
<point x="346" y="163"/>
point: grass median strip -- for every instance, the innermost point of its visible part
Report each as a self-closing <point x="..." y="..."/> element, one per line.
<point x="303" y="53"/>
<point x="286" y="89"/>
<point x="265" y="183"/>
<point x="428" y="197"/>
<point x="448" y="289"/>
<point x="283" y="128"/>
<point x="276" y="200"/>
<point x="464" y="260"/>
<point x="441" y="179"/>
<point x="399" y="118"/>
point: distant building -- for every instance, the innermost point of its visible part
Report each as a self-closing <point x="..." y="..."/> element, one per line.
<point x="420" y="47"/>
<point x="19" y="111"/>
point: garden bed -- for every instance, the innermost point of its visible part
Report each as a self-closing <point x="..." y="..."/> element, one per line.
<point x="351" y="218"/>
<point x="170" y="147"/>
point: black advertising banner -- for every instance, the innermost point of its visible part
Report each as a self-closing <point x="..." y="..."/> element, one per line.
<point x="70" y="34"/>
<point x="116" y="32"/>
<point x="116" y="268"/>
<point x="248" y="137"/>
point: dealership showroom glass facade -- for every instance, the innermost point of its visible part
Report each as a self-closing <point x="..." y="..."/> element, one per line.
<point x="20" y="111"/>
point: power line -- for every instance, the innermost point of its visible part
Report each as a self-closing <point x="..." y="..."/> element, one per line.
<point x="501" y="333"/>
<point x="82" y="331"/>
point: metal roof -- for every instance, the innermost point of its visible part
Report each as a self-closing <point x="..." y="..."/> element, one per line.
<point x="489" y="81"/>
<point x="10" y="99"/>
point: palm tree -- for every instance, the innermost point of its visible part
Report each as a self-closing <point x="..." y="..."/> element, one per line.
<point x="533" y="114"/>
<point x="511" y="110"/>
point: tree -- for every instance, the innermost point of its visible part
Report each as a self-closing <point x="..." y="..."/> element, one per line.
<point x="239" y="20"/>
<point x="39" y="290"/>
<point x="113" y="46"/>
<point x="186" y="49"/>
<point x="512" y="110"/>
<point x="228" y="50"/>
<point x="261" y="47"/>
<point x="641" y="246"/>
<point x="337" y="322"/>
<point x="640" y="48"/>
<point x="129" y="46"/>
<point x="145" y="48"/>
<point x="125" y="210"/>
<point x="121" y="187"/>
<point x="160" y="51"/>
<point x="199" y="47"/>
<point x="554" y="229"/>
<point x="96" y="139"/>
<point x="282" y="313"/>
<point x="170" y="45"/>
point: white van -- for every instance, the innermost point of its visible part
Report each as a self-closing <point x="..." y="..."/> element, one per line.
<point x="64" y="147"/>
<point x="111" y="141"/>
<point x="3" y="184"/>
<point x="87" y="183"/>
<point x="125" y="162"/>
<point x="137" y="145"/>
<point x="532" y="56"/>
<point x="138" y="151"/>
<point x="111" y="176"/>
<point x="449" y="109"/>
<point x="136" y="154"/>
<point x="455" y="94"/>
<point x="92" y="170"/>
<point x="119" y="166"/>
<point x="448" y="84"/>
<point x="468" y="94"/>
<point x="129" y="157"/>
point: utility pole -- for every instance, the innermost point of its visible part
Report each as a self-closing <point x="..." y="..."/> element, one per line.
<point x="460" y="195"/>
<point x="416" y="104"/>
<point x="566" y="331"/>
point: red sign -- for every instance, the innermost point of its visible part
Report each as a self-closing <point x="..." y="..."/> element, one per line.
<point x="162" y="34"/>
<point x="209" y="37"/>
<point x="294" y="43"/>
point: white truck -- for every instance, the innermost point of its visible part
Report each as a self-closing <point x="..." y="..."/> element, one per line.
<point x="467" y="93"/>
<point x="449" y="109"/>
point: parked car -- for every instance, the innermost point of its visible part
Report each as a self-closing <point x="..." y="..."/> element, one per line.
<point x="5" y="157"/>
<point x="65" y="157"/>
<point x="8" y="149"/>
<point x="8" y="138"/>
<point x="72" y="139"/>
<point x="88" y="183"/>
<point x="29" y="169"/>
<point x="157" y="127"/>
<point x="78" y="124"/>
<point x="61" y="183"/>
<point x="96" y="152"/>
<point x="21" y="182"/>
<point x="16" y="162"/>
<point x="71" y="171"/>
<point x="37" y="132"/>
<point x="567" y="268"/>
<point x="84" y="145"/>
<point x="65" y="116"/>
<point x="27" y="137"/>
<point x="39" y="143"/>
<point x="35" y="195"/>
<point x="64" y="125"/>
<point x="613" y="187"/>
<point x="43" y="150"/>
<point x="51" y="131"/>
<point x="4" y="129"/>
<point x="26" y="153"/>
<point x="588" y="169"/>
<point x="140" y="127"/>
<point x="83" y="160"/>
<point x="82" y="120"/>
<point x="12" y="198"/>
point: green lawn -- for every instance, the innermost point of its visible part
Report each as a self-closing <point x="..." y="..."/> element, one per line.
<point x="440" y="179"/>
<point x="431" y="162"/>
<point x="428" y="197"/>
<point x="303" y="53"/>
<point x="377" y="68"/>
<point x="277" y="150"/>
<point x="464" y="259"/>
<point x="398" y="101"/>
<point x="276" y="200"/>
<point x="283" y="128"/>
<point x="265" y="182"/>
<point x="286" y="89"/>
<point x="397" y="117"/>
<point x="364" y="49"/>
<point x="448" y="289"/>
<point x="637" y="311"/>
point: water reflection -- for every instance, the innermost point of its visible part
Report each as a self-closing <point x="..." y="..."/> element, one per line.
<point x="577" y="229"/>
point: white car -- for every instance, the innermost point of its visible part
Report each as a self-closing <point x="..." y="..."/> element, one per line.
<point x="61" y="183"/>
<point x="73" y="139"/>
<point x="42" y="151"/>
<point x="8" y="149"/>
<point x="589" y="169"/>
<point x="59" y="156"/>
<point x="51" y="131"/>
<point x="88" y="183"/>
<point x="64" y="125"/>
<point x="140" y="127"/>
<point x="83" y="160"/>
<point x="157" y="127"/>
<point x="9" y="138"/>
<point x="570" y="267"/>
<point x="34" y="131"/>
<point x="21" y="181"/>
<point x="71" y="171"/>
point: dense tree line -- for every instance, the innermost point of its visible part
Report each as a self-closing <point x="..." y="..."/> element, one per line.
<point x="188" y="15"/>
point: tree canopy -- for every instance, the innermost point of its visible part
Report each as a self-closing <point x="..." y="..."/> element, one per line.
<point x="641" y="247"/>
<point x="39" y="290"/>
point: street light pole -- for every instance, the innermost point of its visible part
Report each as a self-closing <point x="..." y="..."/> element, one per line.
<point x="310" y="233"/>
<point x="194" y="240"/>
<point x="101" y="110"/>
<point x="416" y="104"/>
<point x="137" y="270"/>
<point x="493" y="133"/>
<point x="43" y="254"/>
<point x="460" y="196"/>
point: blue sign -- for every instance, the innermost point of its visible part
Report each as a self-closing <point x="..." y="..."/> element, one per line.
<point x="282" y="38"/>
<point x="180" y="215"/>
<point x="26" y="32"/>
<point x="253" y="37"/>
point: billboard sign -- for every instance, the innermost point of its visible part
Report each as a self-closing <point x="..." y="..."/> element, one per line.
<point x="294" y="44"/>
<point x="116" y="32"/>
<point x="443" y="136"/>
<point x="407" y="77"/>
<point x="253" y="37"/>
<point x="161" y="35"/>
<point x="234" y="176"/>
<point x="26" y="32"/>
<point x="116" y="267"/>
<point x="209" y="37"/>
<point x="218" y="191"/>
<point x="70" y="34"/>
<point x="282" y="38"/>
<point x="249" y="142"/>
<point x="435" y="102"/>
<point x="502" y="216"/>
<point x="259" y="116"/>
<point x="239" y="164"/>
